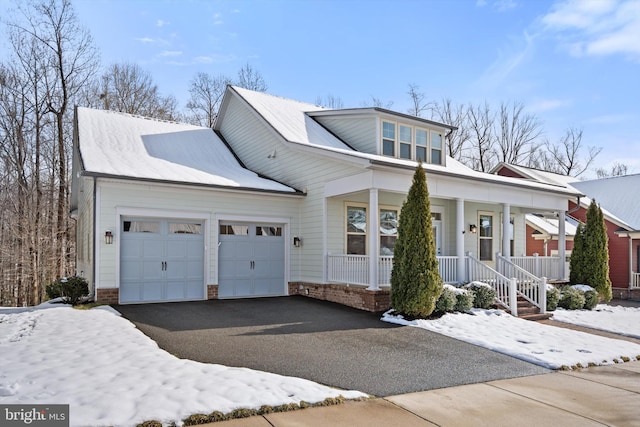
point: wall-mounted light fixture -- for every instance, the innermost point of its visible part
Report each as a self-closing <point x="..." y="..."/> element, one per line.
<point x="473" y="228"/>
<point x="108" y="237"/>
<point x="297" y="242"/>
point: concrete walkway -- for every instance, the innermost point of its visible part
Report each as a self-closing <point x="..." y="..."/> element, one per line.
<point x="605" y="395"/>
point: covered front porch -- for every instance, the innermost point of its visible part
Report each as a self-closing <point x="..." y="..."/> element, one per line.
<point x="477" y="227"/>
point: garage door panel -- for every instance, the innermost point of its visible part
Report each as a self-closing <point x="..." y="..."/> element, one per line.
<point x="163" y="264"/>
<point x="151" y="249"/>
<point x="175" y="290"/>
<point x="251" y="264"/>
<point x="152" y="291"/>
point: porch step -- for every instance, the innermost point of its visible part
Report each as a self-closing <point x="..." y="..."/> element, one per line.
<point x="528" y="311"/>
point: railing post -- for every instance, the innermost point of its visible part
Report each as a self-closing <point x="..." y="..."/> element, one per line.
<point x="513" y="297"/>
<point x="536" y="263"/>
<point x="543" y="295"/>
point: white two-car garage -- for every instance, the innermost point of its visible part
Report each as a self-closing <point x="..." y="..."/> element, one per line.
<point x="163" y="259"/>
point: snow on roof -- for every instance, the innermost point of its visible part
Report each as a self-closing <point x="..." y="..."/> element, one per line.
<point x="619" y="195"/>
<point x="123" y="145"/>
<point x="550" y="225"/>
<point x="624" y="212"/>
<point x="291" y="119"/>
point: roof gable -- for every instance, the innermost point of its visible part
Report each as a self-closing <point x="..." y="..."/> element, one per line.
<point x="619" y="195"/>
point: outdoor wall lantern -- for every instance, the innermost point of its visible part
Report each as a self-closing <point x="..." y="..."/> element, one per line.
<point x="108" y="237"/>
<point x="297" y="242"/>
<point x="473" y="228"/>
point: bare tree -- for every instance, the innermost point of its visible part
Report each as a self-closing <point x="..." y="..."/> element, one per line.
<point x="127" y="88"/>
<point x="567" y="156"/>
<point x="418" y="104"/>
<point x="617" y="169"/>
<point x="330" y="101"/>
<point x="250" y="78"/>
<point x="481" y="124"/>
<point x="206" y="93"/>
<point x="517" y="133"/>
<point x="454" y="115"/>
<point x="377" y="103"/>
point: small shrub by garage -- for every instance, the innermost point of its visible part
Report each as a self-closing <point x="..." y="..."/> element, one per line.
<point x="70" y="289"/>
<point x="571" y="299"/>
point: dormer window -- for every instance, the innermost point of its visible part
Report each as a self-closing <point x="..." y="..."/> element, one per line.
<point x="411" y="142"/>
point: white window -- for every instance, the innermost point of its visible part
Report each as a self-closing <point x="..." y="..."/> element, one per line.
<point x="388" y="230"/>
<point x="356" y="230"/>
<point x="485" y="237"/>
<point x="436" y="148"/>
<point x="406" y="138"/>
<point x="388" y="139"/>
<point x="412" y="142"/>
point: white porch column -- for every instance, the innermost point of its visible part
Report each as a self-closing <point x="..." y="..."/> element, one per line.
<point x="506" y="222"/>
<point x="325" y="225"/>
<point x="374" y="240"/>
<point x="562" y="244"/>
<point x="460" y="229"/>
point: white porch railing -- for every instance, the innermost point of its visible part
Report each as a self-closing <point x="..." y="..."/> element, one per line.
<point x="635" y="282"/>
<point x="531" y="287"/>
<point x="354" y="269"/>
<point x="505" y="288"/>
<point x="540" y="266"/>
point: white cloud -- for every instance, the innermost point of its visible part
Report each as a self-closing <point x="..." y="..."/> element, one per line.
<point x="171" y="53"/>
<point x="499" y="5"/>
<point x="506" y="63"/>
<point x="596" y="27"/>
<point x="145" y="39"/>
<point x="161" y="23"/>
<point x="545" y="105"/>
<point x="217" y="19"/>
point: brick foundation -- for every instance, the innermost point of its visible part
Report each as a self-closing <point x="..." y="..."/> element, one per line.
<point x="212" y="291"/>
<point x="621" y="293"/>
<point x="350" y="295"/>
<point x="107" y="295"/>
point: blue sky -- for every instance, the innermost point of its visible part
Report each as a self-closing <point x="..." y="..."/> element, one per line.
<point x="573" y="63"/>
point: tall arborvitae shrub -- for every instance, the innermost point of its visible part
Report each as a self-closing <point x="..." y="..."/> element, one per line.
<point x="416" y="284"/>
<point x="576" y="262"/>
<point x="596" y="261"/>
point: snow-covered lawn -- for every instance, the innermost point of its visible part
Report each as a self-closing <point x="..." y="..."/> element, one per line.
<point x="616" y="319"/>
<point x="549" y="346"/>
<point x="112" y="374"/>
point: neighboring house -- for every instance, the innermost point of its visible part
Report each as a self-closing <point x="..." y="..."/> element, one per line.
<point x="621" y="210"/>
<point x="281" y="198"/>
<point x="543" y="234"/>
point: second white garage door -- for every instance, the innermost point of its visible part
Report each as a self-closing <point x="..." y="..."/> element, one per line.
<point x="251" y="260"/>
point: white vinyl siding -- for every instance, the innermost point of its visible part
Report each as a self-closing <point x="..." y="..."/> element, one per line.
<point x="84" y="236"/>
<point x="358" y="132"/>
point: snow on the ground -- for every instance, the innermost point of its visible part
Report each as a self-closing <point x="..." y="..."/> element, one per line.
<point x="616" y="319"/>
<point x="110" y="373"/>
<point x="544" y="345"/>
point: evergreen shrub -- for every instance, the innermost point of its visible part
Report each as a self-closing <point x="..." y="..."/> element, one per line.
<point x="483" y="294"/>
<point x="553" y="297"/>
<point x="70" y="289"/>
<point x="571" y="299"/>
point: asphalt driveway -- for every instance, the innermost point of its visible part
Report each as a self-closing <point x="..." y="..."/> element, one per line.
<point x="321" y="341"/>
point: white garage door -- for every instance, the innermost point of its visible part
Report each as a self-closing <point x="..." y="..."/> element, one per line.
<point x="251" y="260"/>
<point x="161" y="260"/>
